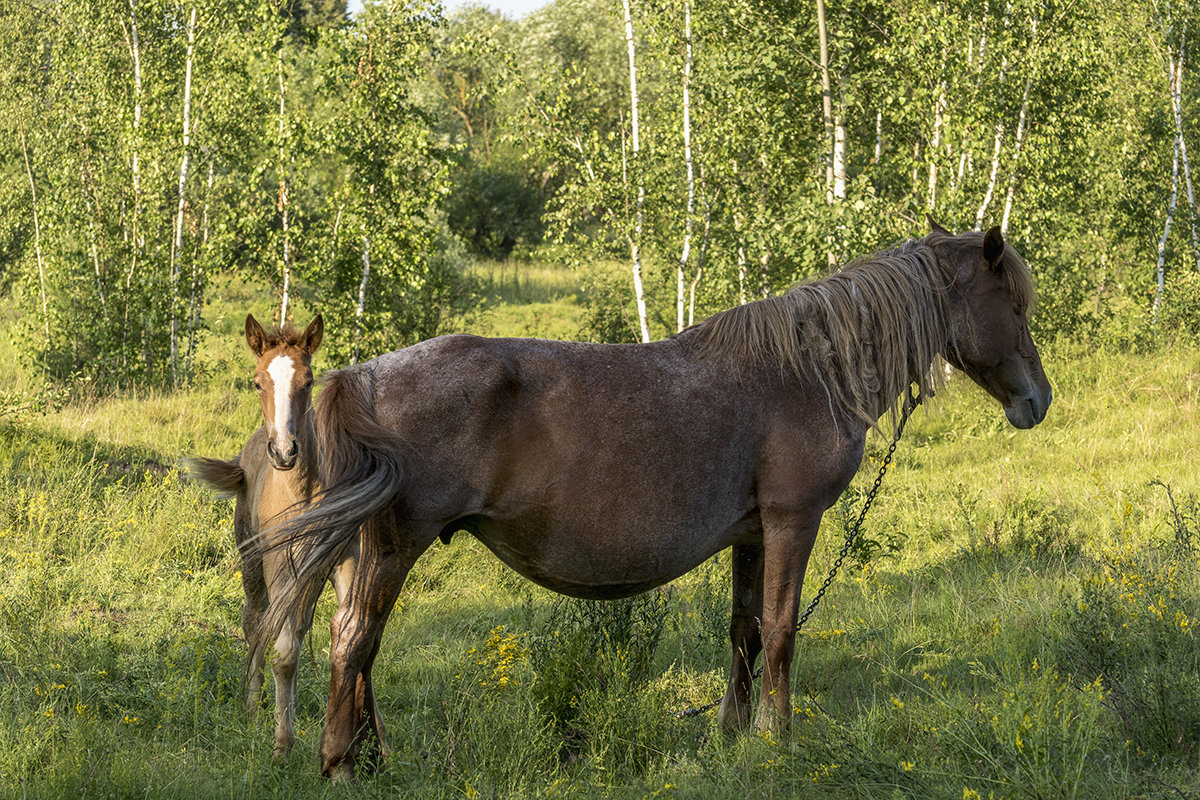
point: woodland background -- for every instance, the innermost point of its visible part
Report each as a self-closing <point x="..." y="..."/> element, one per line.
<point x="152" y="150"/>
<point x="1021" y="615"/>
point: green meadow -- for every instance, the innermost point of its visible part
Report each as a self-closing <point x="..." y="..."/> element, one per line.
<point x="1020" y="619"/>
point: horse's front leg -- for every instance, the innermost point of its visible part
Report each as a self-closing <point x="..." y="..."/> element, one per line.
<point x="787" y="542"/>
<point x="352" y="717"/>
<point x="744" y="636"/>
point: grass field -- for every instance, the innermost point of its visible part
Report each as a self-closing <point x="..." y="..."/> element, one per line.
<point x="1021" y="620"/>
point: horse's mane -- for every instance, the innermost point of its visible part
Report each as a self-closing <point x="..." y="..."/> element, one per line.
<point x="866" y="332"/>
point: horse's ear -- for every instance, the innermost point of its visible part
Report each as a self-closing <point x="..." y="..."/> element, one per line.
<point x="933" y="226"/>
<point x="993" y="247"/>
<point x="256" y="337"/>
<point x="310" y="340"/>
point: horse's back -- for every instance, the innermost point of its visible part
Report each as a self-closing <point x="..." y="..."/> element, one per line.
<point x="635" y="457"/>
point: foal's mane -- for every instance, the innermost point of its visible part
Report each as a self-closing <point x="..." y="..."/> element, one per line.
<point x="282" y="336"/>
<point x="866" y="332"/>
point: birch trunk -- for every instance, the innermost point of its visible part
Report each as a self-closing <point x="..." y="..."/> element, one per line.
<point x="826" y="101"/>
<point x="699" y="264"/>
<point x="991" y="187"/>
<point x="362" y="295"/>
<point x="1017" y="144"/>
<point x="686" y="251"/>
<point x="177" y="240"/>
<point x="1162" y="243"/>
<point x="939" y="112"/>
<point x="37" y="231"/>
<point x="135" y="51"/>
<point x="198" y="279"/>
<point x="635" y="242"/>
<point x="284" y="188"/>
<point x="878" y="137"/>
<point x="839" y="158"/>
<point x="1176" y="84"/>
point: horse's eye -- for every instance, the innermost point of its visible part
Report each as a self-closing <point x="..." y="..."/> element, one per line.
<point x="257" y="387"/>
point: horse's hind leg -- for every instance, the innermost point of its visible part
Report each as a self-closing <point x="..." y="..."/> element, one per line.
<point x="352" y="717"/>
<point x="744" y="635"/>
<point x="341" y="578"/>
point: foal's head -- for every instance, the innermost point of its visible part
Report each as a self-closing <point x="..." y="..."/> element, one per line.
<point x="283" y="378"/>
<point x="991" y="341"/>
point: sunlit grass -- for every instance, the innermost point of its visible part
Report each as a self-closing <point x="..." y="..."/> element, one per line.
<point x="958" y="662"/>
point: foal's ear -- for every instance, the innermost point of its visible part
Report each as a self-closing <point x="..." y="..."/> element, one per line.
<point x="310" y="340"/>
<point x="993" y="247"/>
<point x="256" y="337"/>
<point x="933" y="226"/>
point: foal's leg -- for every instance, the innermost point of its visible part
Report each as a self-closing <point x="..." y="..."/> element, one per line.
<point x="283" y="668"/>
<point x="744" y="634"/>
<point x="254" y="587"/>
<point x="288" y="646"/>
<point x="352" y="717"/>
<point x="787" y="542"/>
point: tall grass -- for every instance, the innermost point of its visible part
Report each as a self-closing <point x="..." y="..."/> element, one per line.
<point x="1026" y="625"/>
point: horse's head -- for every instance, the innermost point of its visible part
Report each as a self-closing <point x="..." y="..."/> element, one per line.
<point x="283" y="378"/>
<point x="992" y="293"/>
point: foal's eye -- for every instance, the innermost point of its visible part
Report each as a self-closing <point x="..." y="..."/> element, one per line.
<point x="257" y="387"/>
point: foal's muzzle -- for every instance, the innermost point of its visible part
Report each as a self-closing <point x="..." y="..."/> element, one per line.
<point x="285" y="460"/>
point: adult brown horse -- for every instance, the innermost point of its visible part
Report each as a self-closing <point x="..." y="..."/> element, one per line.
<point x="602" y="471"/>
<point x="272" y="478"/>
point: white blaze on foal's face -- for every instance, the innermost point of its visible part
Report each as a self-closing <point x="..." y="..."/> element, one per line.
<point x="282" y="371"/>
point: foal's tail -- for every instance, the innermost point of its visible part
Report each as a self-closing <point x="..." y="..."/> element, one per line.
<point x="226" y="477"/>
<point x="361" y="474"/>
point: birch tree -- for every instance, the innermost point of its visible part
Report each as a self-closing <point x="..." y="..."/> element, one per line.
<point x="635" y="236"/>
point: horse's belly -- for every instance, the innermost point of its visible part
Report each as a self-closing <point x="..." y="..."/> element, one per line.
<point x="609" y="563"/>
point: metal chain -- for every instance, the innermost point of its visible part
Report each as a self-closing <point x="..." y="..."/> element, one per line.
<point x="910" y="404"/>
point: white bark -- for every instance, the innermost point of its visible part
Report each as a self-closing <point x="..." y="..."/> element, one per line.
<point x="135" y="52"/>
<point x="878" y="136"/>
<point x="839" y="158"/>
<point x="991" y="187"/>
<point x="1176" y="84"/>
<point x="284" y="189"/>
<point x="826" y="101"/>
<point x="1016" y="155"/>
<point x="177" y="240"/>
<point x="1162" y="243"/>
<point x="699" y="264"/>
<point x="362" y="294"/>
<point x="635" y="242"/>
<point x="939" y="113"/>
<point x="690" y="212"/>
<point x="37" y="231"/>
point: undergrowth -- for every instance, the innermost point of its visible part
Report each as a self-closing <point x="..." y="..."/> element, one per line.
<point x="1020" y="621"/>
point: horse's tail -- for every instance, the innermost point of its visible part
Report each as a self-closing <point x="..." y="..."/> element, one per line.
<point x="226" y="477"/>
<point x="361" y="472"/>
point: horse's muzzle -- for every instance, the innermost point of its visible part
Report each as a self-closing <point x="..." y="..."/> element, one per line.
<point x="1025" y="412"/>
